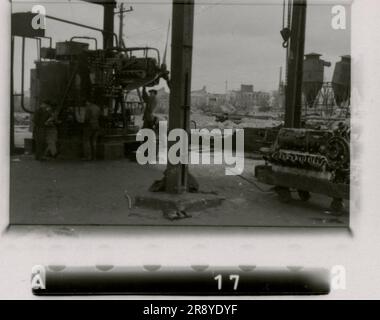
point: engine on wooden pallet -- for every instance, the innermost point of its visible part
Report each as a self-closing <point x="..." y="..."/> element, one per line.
<point x="320" y="153"/>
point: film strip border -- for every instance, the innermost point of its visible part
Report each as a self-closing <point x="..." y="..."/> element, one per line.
<point x="187" y="281"/>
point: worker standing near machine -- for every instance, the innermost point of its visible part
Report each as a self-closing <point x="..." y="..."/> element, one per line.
<point x="150" y="104"/>
<point x="51" y="135"/>
<point x="39" y="129"/>
<point x="91" y="130"/>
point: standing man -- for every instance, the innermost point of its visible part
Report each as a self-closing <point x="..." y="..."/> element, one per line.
<point x="51" y="135"/>
<point x="150" y="104"/>
<point x="91" y="130"/>
<point x="39" y="129"/>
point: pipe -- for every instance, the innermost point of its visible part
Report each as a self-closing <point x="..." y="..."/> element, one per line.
<point x="22" y="77"/>
<point x="50" y="40"/>
<point x="88" y="38"/>
<point x="38" y="41"/>
<point x="12" y="133"/>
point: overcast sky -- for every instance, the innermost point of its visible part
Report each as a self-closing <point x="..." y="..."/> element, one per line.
<point x="234" y="41"/>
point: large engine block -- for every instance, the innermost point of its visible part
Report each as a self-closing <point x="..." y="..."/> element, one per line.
<point x="323" y="153"/>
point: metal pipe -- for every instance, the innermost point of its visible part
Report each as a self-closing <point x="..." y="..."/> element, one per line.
<point x="12" y="121"/>
<point x="38" y="41"/>
<point x="22" y="77"/>
<point x="88" y="38"/>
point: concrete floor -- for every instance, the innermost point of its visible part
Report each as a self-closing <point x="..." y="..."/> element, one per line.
<point x="93" y="193"/>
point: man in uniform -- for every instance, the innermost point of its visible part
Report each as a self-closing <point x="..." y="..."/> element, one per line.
<point x="39" y="129"/>
<point x="150" y="104"/>
<point x="91" y="130"/>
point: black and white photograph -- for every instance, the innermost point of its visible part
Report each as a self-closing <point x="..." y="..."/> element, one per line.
<point x="189" y="149"/>
<point x="196" y="114"/>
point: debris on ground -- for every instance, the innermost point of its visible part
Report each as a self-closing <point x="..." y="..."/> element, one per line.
<point x="175" y="214"/>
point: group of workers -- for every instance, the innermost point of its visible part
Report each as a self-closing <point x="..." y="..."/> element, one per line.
<point x="45" y="131"/>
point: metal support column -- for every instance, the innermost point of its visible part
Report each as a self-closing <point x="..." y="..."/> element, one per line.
<point x="121" y="24"/>
<point x="293" y="103"/>
<point x="181" y="65"/>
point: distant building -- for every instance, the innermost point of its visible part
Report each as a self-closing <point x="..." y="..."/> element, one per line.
<point x="246" y="96"/>
<point x="163" y="101"/>
<point x="243" y="98"/>
<point x="199" y="98"/>
<point x="216" y="99"/>
<point x="261" y="97"/>
<point x="202" y="99"/>
<point x="246" y="88"/>
<point x="246" y="99"/>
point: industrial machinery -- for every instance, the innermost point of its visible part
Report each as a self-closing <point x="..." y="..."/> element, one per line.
<point x="325" y="153"/>
<point x="303" y="159"/>
<point x="309" y="161"/>
<point x="71" y="74"/>
<point x="322" y="97"/>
